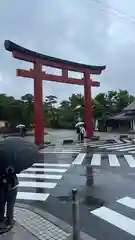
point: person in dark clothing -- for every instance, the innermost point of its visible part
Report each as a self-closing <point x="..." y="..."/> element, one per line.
<point x="8" y="193"/>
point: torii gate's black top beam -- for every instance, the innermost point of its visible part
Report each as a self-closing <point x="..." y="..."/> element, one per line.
<point x="11" y="46"/>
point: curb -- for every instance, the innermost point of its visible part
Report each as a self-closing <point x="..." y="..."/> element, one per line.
<point x="54" y="220"/>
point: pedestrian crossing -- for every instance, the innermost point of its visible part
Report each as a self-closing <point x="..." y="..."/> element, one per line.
<point x="109" y="160"/>
<point x="76" y="147"/>
<point x="121" y="147"/>
<point x="125" y="145"/>
<point x="112" y="216"/>
<point x="73" y="149"/>
<point x="37" y="182"/>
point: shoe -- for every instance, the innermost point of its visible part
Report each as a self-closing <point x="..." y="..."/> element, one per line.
<point x="2" y="228"/>
<point x="2" y="225"/>
<point x="9" y="224"/>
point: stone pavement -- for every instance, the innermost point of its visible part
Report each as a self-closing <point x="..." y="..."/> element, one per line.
<point x="38" y="225"/>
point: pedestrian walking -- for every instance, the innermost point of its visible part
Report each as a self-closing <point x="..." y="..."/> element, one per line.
<point x="8" y="192"/>
<point x="80" y="130"/>
<point x="82" y="133"/>
<point x="78" y="133"/>
<point x="22" y="129"/>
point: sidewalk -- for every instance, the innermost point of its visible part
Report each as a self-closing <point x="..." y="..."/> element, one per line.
<point x="34" y="224"/>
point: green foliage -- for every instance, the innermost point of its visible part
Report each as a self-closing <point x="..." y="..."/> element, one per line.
<point x="111" y="103"/>
<point x="17" y="111"/>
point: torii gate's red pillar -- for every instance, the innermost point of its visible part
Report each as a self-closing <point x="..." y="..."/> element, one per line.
<point x="38" y="104"/>
<point x="88" y="118"/>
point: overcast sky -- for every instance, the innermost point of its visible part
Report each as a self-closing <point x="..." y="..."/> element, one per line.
<point x="84" y="31"/>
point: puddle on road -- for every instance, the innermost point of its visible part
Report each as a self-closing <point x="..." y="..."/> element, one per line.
<point x="93" y="202"/>
<point x="89" y="201"/>
<point x="65" y="199"/>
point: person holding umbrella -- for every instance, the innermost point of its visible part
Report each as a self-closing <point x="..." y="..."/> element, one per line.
<point x="16" y="155"/>
<point x="22" y="129"/>
<point x="80" y="130"/>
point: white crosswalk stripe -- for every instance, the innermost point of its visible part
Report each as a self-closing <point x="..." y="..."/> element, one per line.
<point x="128" y="146"/>
<point x="79" y="159"/>
<point x="124" y="145"/>
<point x="63" y="149"/>
<point x="126" y="140"/>
<point x="110" y="145"/>
<point x="121" y="146"/>
<point x="131" y="152"/>
<point x="36" y="182"/>
<point x="130" y="160"/>
<point x="117" y="219"/>
<point x="72" y="148"/>
<point x="56" y="170"/>
<point x="96" y="159"/>
<point x="111" y="160"/>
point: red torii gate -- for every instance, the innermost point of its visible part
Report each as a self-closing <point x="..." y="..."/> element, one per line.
<point x="38" y="75"/>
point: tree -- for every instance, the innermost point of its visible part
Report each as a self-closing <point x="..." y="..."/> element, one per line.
<point x="65" y="104"/>
<point x="28" y="112"/>
<point x="5" y="106"/>
<point x="111" y="103"/>
<point x="65" y="112"/>
<point x="123" y="99"/>
<point x="16" y="110"/>
<point x="100" y="106"/>
<point x="52" y="113"/>
<point x="76" y="99"/>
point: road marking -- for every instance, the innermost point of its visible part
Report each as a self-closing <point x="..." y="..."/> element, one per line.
<point x="51" y="165"/>
<point x="79" y="159"/>
<point x="55" y="152"/>
<point x="117" y="219"/>
<point x="32" y="196"/>
<point x="58" y="170"/>
<point x="130" y="160"/>
<point x="113" y="160"/>
<point x="37" y="184"/>
<point x="119" y="141"/>
<point x="39" y="176"/>
<point x="127" y="201"/>
<point x="103" y="145"/>
<point x="128" y="149"/>
<point x="126" y="140"/>
<point x="96" y="159"/>
<point x="113" y="145"/>
<point x="69" y="151"/>
<point x="132" y="152"/>
<point x="120" y="146"/>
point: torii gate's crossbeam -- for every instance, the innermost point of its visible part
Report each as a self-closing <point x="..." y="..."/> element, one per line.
<point x="38" y="75"/>
<point x="56" y="78"/>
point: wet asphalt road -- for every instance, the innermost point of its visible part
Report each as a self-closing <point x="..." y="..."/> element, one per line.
<point x="107" y="209"/>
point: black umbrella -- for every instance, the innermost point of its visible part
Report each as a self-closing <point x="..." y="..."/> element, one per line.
<point x="18" y="153"/>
